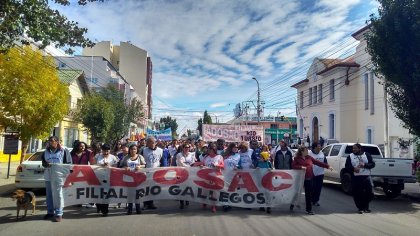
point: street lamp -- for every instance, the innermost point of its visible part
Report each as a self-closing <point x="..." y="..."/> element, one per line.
<point x="258" y="99"/>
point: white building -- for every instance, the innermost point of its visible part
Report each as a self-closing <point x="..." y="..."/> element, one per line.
<point x="342" y="99"/>
<point x="132" y="62"/>
<point x="100" y="73"/>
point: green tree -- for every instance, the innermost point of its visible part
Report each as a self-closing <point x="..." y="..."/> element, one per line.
<point x="107" y="116"/>
<point x="200" y="126"/>
<point x="207" y="118"/>
<point x="97" y="116"/>
<point x="32" y="99"/>
<point x="394" y="44"/>
<point x="38" y="21"/>
<point x="124" y="114"/>
<point x="170" y="123"/>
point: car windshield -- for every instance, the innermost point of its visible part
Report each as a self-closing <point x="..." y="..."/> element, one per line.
<point x="374" y="151"/>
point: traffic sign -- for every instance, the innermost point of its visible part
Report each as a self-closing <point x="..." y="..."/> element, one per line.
<point x="11" y="144"/>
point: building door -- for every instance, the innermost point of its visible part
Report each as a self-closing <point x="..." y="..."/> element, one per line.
<point x="315" y="130"/>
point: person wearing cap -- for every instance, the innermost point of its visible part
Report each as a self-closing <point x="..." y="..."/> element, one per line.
<point x="264" y="163"/>
<point x="106" y="160"/>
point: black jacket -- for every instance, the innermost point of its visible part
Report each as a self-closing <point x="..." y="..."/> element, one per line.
<point x="283" y="162"/>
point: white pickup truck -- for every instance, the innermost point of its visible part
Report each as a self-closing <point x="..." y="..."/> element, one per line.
<point x="389" y="173"/>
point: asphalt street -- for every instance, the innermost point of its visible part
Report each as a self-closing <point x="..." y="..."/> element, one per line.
<point x="336" y="216"/>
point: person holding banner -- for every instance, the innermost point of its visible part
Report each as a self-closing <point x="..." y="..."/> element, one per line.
<point x="80" y="155"/>
<point x="231" y="162"/>
<point x="318" y="179"/>
<point x="245" y="160"/>
<point x="54" y="154"/>
<point x="105" y="159"/>
<point x="152" y="155"/>
<point x="133" y="162"/>
<point x="212" y="160"/>
<point x="231" y="157"/>
<point x="305" y="162"/>
<point x="185" y="159"/>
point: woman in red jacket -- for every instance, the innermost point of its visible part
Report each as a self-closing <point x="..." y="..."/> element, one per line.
<point x="303" y="161"/>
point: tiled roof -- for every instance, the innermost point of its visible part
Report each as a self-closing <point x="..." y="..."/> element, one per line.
<point x="333" y="63"/>
<point x="69" y="76"/>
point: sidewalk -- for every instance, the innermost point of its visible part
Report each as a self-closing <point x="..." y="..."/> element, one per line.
<point x="7" y="185"/>
<point x="412" y="191"/>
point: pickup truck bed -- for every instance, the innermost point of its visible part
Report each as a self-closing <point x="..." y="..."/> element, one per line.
<point x="389" y="173"/>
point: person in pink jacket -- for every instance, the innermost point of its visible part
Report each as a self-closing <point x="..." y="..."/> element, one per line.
<point x="303" y="161"/>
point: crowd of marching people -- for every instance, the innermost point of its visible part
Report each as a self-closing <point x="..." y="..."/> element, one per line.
<point x="152" y="153"/>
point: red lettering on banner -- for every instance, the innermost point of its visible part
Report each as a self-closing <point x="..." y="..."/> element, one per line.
<point x="267" y="181"/>
<point x="210" y="181"/>
<point x="180" y="176"/>
<point x="117" y="178"/>
<point x="247" y="182"/>
<point x="82" y="173"/>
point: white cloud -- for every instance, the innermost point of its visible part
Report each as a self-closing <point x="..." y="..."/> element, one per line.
<point x="210" y="49"/>
<point x="219" y="104"/>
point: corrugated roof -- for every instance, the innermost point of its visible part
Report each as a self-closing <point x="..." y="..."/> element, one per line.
<point x="68" y="76"/>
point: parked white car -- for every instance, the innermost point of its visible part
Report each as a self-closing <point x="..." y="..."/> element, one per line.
<point x="389" y="173"/>
<point x="30" y="173"/>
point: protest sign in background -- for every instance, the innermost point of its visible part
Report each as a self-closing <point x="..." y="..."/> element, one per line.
<point x="165" y="135"/>
<point x="233" y="133"/>
<point x="244" y="188"/>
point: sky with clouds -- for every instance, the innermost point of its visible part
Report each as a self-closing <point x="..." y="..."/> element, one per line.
<point x="206" y="52"/>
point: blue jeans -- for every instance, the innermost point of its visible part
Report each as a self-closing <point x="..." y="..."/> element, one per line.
<point x="54" y="205"/>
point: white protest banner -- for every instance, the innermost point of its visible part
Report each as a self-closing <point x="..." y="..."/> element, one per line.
<point x="241" y="188"/>
<point x="233" y="133"/>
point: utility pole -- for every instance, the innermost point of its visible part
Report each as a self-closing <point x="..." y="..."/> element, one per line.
<point x="258" y="100"/>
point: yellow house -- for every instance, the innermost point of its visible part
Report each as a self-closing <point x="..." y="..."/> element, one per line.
<point x="68" y="130"/>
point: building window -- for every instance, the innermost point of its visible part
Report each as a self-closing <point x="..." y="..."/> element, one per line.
<point x="369" y="136"/>
<point x="366" y="82"/>
<point x="310" y="96"/>
<point x="70" y="134"/>
<point x="331" y="121"/>
<point x="273" y="126"/>
<point x="315" y="92"/>
<point x="332" y="89"/>
<point x="301" y="128"/>
<point x="372" y="93"/>
<point x="320" y="93"/>
<point x="301" y="99"/>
